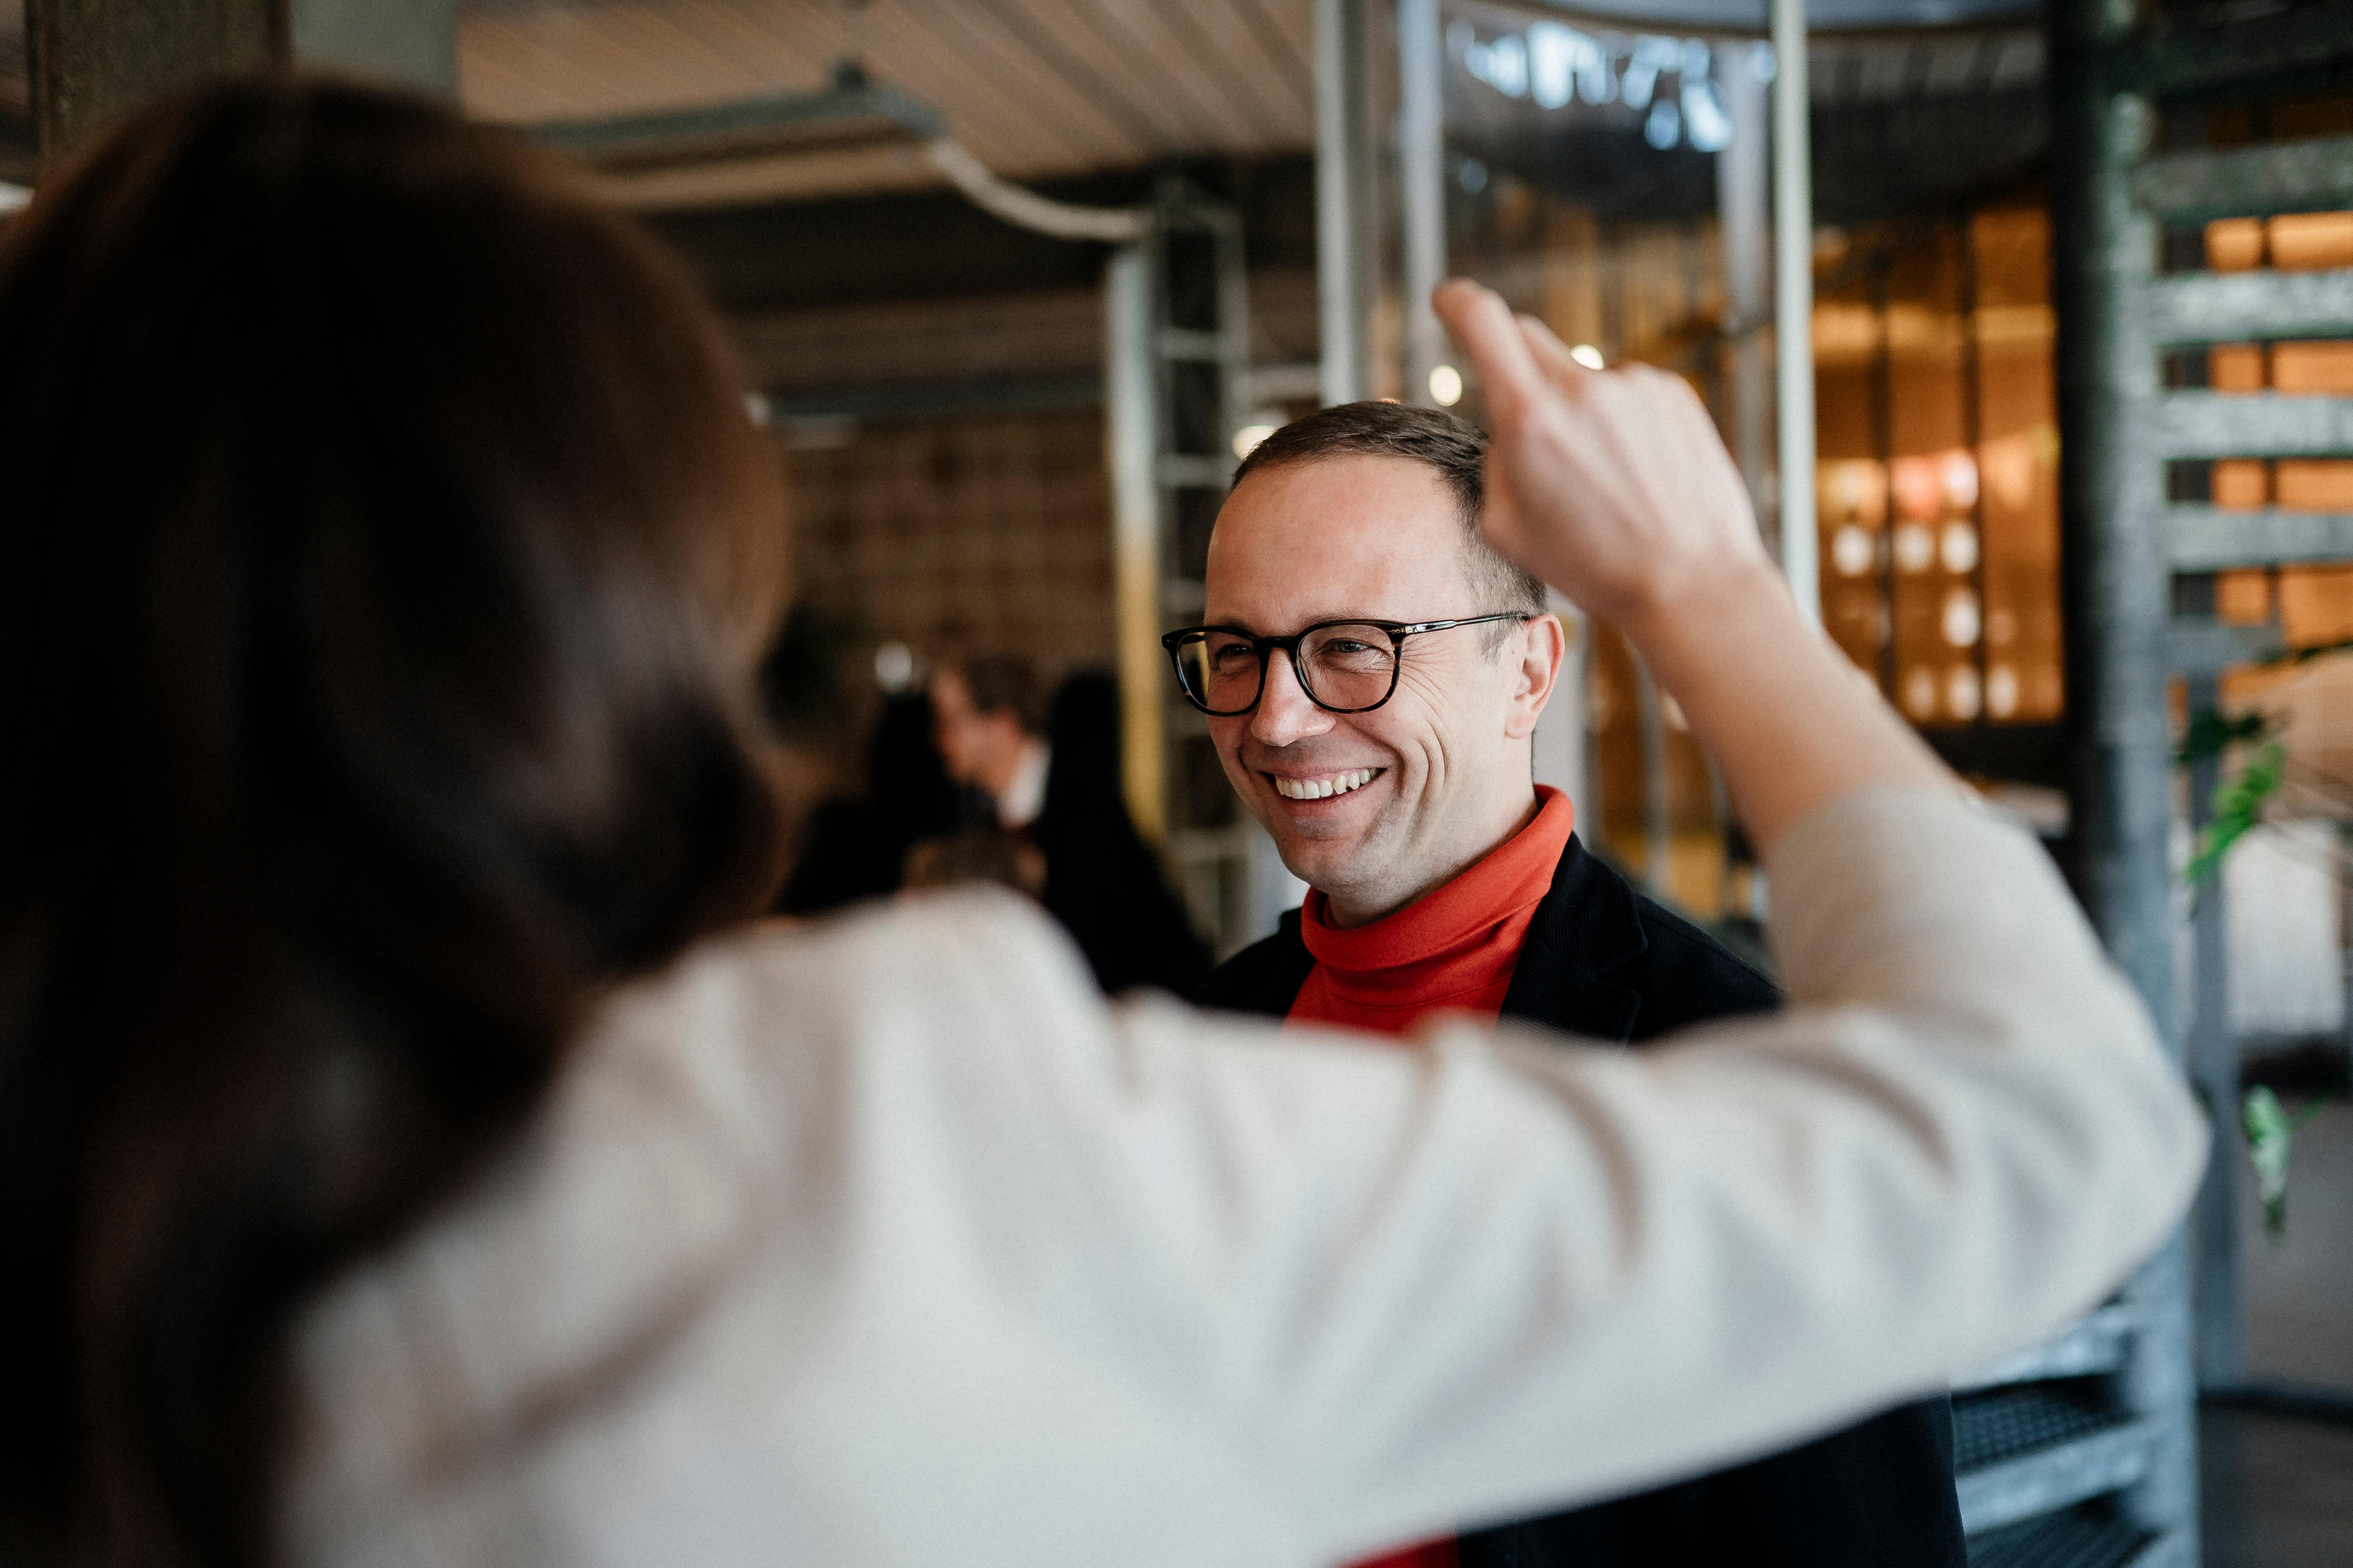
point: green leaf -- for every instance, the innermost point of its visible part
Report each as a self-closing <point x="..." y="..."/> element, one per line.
<point x="2270" y="1132"/>
<point x="2238" y="807"/>
<point x="2211" y="733"/>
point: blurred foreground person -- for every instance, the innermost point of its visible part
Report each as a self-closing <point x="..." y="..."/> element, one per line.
<point x="1390" y="756"/>
<point x="400" y="1167"/>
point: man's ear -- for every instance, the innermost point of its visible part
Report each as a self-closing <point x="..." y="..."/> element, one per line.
<point x="1533" y="667"/>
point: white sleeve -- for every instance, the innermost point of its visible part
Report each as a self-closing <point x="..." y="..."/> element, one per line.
<point x="1419" y="1289"/>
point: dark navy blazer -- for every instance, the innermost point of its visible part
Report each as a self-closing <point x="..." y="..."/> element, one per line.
<point x="1603" y="962"/>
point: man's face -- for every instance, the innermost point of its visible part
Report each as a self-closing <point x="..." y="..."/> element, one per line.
<point x="1379" y="538"/>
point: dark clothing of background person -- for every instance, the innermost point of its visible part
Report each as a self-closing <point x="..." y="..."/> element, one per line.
<point x="1606" y="964"/>
<point x="1103" y="883"/>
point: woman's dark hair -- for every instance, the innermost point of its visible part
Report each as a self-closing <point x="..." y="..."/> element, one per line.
<point x="381" y="573"/>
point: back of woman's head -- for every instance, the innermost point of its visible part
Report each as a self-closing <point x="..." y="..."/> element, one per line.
<point x="371" y="681"/>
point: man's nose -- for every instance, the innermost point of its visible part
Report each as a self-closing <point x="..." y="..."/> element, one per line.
<point x="1285" y="713"/>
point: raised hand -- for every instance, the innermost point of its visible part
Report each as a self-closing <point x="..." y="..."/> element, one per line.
<point x="1610" y="485"/>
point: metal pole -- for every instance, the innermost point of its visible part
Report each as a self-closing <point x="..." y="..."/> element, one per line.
<point x="1130" y="421"/>
<point x="2214" y="1063"/>
<point x="1342" y="195"/>
<point x="1743" y="205"/>
<point x="2114" y="588"/>
<point x="1421" y="176"/>
<point x="1793" y="304"/>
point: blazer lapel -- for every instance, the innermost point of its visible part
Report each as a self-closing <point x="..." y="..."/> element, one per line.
<point x="1587" y="927"/>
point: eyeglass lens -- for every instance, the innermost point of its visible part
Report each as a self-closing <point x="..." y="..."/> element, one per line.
<point x="1347" y="666"/>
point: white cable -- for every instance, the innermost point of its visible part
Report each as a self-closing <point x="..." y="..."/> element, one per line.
<point x="1027" y="209"/>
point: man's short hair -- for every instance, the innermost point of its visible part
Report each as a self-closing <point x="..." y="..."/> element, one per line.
<point x="1003" y="683"/>
<point x="1455" y="448"/>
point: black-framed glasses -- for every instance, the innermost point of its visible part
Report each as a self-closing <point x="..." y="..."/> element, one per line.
<point x="1345" y="667"/>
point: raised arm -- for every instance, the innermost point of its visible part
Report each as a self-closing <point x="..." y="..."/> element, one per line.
<point x="1612" y="487"/>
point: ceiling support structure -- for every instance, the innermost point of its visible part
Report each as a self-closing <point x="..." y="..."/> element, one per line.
<point x="1744" y="215"/>
<point x="1344" y="197"/>
<point x="1422" y="184"/>
<point x="1793" y="306"/>
<point x="94" y="60"/>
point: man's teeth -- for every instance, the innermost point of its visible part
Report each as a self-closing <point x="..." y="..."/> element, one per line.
<point x="1316" y="789"/>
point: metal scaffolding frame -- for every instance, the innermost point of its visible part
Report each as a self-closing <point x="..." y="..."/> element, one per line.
<point x="1177" y="389"/>
<point x="2136" y="565"/>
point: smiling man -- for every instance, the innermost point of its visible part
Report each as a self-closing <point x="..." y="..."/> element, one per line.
<point x="1373" y="672"/>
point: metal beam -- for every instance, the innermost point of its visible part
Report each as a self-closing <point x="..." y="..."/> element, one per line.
<point x="1793" y="305"/>
<point x="854" y="111"/>
<point x="2209" y="539"/>
<point x="1344" y="194"/>
<point x="91" y="61"/>
<point x="1743" y="209"/>
<point x="2249" y="307"/>
<point x="2247" y="425"/>
<point x="2085" y="1348"/>
<point x="2289" y="176"/>
<point x="2188" y="60"/>
<point x="2050" y="1479"/>
<point x="2213" y="1053"/>
<point x="1131" y="418"/>
<point x="1421" y="182"/>
<point x="2197" y="644"/>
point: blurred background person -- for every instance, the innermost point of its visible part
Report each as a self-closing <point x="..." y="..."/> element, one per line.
<point x="988" y="715"/>
<point x="874" y="775"/>
<point x="1054" y="778"/>
<point x="1103" y="881"/>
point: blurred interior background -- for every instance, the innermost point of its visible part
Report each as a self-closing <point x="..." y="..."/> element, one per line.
<point x="1018" y="281"/>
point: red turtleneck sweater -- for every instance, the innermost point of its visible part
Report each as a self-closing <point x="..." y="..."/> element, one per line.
<point x="1451" y="952"/>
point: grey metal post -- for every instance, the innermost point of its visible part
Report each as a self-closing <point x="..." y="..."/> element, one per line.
<point x="1421" y="178"/>
<point x="1743" y="201"/>
<point x="92" y="60"/>
<point x="1131" y="424"/>
<point x="1342" y="196"/>
<point x="1793" y="304"/>
<point x="2116" y="590"/>
<point x="2214" y="1065"/>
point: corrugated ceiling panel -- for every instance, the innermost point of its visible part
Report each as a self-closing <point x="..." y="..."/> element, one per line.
<point x="1033" y="87"/>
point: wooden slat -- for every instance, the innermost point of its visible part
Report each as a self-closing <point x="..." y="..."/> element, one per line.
<point x="1034" y="88"/>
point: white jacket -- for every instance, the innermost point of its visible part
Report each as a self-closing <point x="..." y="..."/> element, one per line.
<point x="886" y="1242"/>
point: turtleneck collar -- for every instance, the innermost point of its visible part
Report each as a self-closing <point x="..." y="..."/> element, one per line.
<point x="1453" y="950"/>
